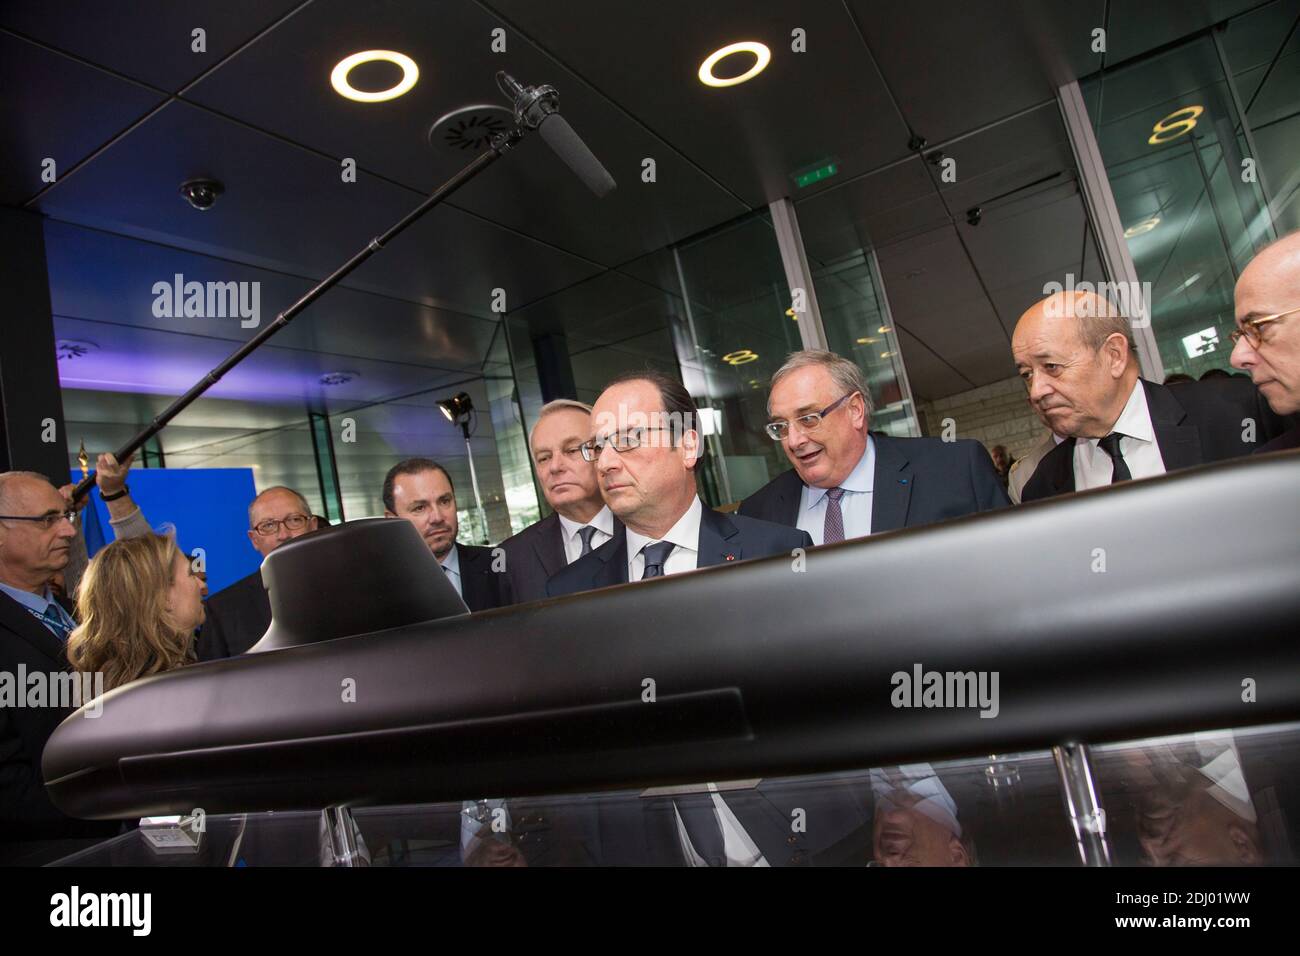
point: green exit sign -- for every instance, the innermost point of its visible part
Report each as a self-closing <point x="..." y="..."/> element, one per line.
<point x="810" y="176"/>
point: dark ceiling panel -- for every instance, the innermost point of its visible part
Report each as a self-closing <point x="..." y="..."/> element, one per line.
<point x="530" y="190"/>
<point x="287" y="209"/>
<point x="110" y="279"/>
<point x="150" y="40"/>
<point x="961" y="65"/>
<point x="930" y="376"/>
<point x="1140" y="25"/>
<point x="804" y="108"/>
<point x="58" y="108"/>
<point x="870" y="212"/>
<point x="1024" y="153"/>
<point x="155" y="362"/>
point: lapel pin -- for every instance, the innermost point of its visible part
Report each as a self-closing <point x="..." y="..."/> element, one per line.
<point x="729" y="557"/>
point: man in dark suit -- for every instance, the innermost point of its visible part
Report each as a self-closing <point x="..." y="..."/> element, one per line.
<point x="1074" y="353"/>
<point x="580" y="522"/>
<point x="238" y="615"/>
<point x="420" y="491"/>
<point x="36" y="537"/>
<point x="1267" y="339"/>
<point x="848" y="482"/>
<point x="646" y="447"/>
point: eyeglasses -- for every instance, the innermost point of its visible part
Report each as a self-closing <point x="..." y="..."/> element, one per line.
<point x="626" y="441"/>
<point x="807" y="423"/>
<point x="46" y="521"/>
<point x="272" y="525"/>
<point x="1250" y="328"/>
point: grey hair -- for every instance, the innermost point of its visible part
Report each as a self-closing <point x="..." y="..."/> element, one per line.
<point x="8" y="477"/>
<point x="557" y="405"/>
<point x="306" y="508"/>
<point x="1095" y="330"/>
<point x="843" y="373"/>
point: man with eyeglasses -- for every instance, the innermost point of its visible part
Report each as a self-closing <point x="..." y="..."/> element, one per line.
<point x="38" y="535"/>
<point x="647" y="446"/>
<point x="239" y="615"/>
<point x="580" y="520"/>
<point x="1266" y="342"/>
<point x="1074" y="352"/>
<point x="847" y="481"/>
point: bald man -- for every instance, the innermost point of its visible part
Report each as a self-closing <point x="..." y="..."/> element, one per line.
<point x="239" y="615"/>
<point x="1267" y="345"/>
<point x="1074" y="352"/>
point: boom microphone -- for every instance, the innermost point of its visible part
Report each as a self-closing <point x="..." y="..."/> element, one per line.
<point x="537" y="107"/>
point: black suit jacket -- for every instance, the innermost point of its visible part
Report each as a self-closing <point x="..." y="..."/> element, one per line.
<point x="724" y="539"/>
<point x="481" y="587"/>
<point x="236" y="618"/>
<point x="918" y="481"/>
<point x="1194" y="423"/>
<point x="533" y="556"/>
<point x="26" y="812"/>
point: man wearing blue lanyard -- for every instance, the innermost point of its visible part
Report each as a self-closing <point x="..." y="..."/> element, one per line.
<point x="37" y="537"/>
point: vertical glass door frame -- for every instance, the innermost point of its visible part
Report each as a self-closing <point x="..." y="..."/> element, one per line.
<point x="1103" y="215"/>
<point x="785" y="221"/>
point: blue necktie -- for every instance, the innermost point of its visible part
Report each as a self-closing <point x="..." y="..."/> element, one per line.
<point x="655" y="556"/>
<point x="56" y="619"/>
<point x="586" y="534"/>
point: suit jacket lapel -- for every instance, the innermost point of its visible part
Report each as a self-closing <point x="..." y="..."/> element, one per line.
<point x="548" y="544"/>
<point x="22" y="622"/>
<point x="893" y="486"/>
<point x="717" y="542"/>
<point x="789" y="497"/>
<point x="1056" y="471"/>
<point x="1180" y="445"/>
<point x="614" y="569"/>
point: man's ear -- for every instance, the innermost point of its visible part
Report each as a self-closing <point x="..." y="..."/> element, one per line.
<point x="312" y="523"/>
<point x="1115" y="353"/>
<point x="389" y="514"/>
<point x="252" y="538"/>
<point x="691" y="451"/>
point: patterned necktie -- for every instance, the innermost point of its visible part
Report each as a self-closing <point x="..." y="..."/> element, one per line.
<point x="655" y="556"/>
<point x="57" y="621"/>
<point x="833" y="529"/>
<point x="1119" y="467"/>
<point x="586" y="534"/>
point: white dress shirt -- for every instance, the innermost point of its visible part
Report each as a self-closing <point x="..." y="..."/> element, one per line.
<point x="685" y="534"/>
<point x="859" y="493"/>
<point x="1093" y="467"/>
<point x="604" y="525"/>
<point x="451" y="565"/>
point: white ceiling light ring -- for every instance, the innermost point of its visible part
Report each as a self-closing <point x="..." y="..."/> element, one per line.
<point x="339" y="75"/>
<point x="762" y="57"/>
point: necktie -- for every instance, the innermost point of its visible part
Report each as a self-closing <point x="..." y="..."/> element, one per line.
<point x="655" y="556"/>
<point x="833" y="529"/>
<point x="1119" y="467"/>
<point x="57" y="621"/>
<point x="701" y="823"/>
<point x="586" y="534"/>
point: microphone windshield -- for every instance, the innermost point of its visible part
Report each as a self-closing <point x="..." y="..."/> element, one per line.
<point x="559" y="135"/>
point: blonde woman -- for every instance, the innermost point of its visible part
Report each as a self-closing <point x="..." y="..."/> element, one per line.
<point x="139" y="604"/>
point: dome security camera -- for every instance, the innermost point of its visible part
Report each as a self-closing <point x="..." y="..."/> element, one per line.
<point x="201" y="193"/>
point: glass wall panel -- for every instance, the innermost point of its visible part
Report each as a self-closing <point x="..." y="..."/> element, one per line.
<point x="1189" y="192"/>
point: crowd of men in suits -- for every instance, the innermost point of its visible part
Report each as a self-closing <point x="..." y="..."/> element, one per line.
<point x="620" y="478"/>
